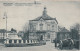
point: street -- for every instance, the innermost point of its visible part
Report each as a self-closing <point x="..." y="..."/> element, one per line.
<point x="48" y="47"/>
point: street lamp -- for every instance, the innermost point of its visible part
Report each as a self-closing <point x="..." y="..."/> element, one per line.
<point x="5" y="17"/>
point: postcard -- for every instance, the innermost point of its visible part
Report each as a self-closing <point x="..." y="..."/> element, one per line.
<point x="39" y="25"/>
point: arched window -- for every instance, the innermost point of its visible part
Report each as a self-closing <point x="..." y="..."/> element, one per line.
<point x="41" y="26"/>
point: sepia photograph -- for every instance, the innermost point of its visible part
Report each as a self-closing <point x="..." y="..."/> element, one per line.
<point x="39" y="25"/>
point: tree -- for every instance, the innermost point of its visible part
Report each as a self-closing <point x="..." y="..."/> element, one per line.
<point x="75" y="30"/>
<point x="26" y="31"/>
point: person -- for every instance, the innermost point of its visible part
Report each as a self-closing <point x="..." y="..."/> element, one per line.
<point x="71" y="43"/>
<point x="60" y="44"/>
<point x="55" y="42"/>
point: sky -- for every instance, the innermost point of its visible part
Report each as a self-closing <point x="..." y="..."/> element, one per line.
<point x="67" y="13"/>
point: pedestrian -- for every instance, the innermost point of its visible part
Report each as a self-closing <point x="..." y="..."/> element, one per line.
<point x="55" y="42"/>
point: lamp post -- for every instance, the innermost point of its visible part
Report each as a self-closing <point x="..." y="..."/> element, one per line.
<point x="5" y="17"/>
<point x="79" y="36"/>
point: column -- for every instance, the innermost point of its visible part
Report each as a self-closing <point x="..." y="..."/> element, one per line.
<point x="21" y="41"/>
<point x="12" y="41"/>
<point x="29" y="41"/>
<point x="26" y="41"/>
<point x="7" y="41"/>
<point x="7" y="35"/>
<point x="79" y="41"/>
<point x="34" y="41"/>
<point x="17" y="41"/>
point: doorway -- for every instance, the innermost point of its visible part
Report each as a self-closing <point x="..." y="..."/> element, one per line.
<point x="41" y="38"/>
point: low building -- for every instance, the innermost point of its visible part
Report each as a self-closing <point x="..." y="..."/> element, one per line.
<point x="12" y="37"/>
<point x="2" y="35"/>
<point x="63" y="34"/>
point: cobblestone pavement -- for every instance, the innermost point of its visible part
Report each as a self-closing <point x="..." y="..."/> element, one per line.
<point x="48" y="47"/>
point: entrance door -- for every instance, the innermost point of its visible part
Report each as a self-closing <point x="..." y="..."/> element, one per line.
<point x="41" y="38"/>
<point x="48" y="36"/>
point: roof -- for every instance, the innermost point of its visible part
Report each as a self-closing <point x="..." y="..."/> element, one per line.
<point x="2" y="30"/>
<point x="44" y="16"/>
<point x="63" y="30"/>
<point x="11" y="32"/>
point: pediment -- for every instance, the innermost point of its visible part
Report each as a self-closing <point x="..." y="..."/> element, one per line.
<point x="41" y="19"/>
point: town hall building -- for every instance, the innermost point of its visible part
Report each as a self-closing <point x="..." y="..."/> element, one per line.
<point x="43" y="27"/>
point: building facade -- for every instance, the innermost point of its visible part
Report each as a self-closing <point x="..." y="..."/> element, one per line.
<point x="2" y="33"/>
<point x="43" y="27"/>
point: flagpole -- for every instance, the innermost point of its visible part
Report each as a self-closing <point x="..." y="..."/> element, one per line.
<point x="6" y="26"/>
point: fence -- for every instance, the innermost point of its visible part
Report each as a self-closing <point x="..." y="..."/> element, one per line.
<point x="9" y="41"/>
<point x="23" y="43"/>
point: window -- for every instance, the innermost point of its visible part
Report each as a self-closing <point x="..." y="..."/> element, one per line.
<point x="41" y="26"/>
<point x="15" y="41"/>
<point x="19" y="41"/>
<point x="48" y="27"/>
<point x="28" y="41"/>
<point x="10" y="41"/>
<point x="24" y="41"/>
<point x="34" y="27"/>
<point x="52" y="27"/>
<point x="48" y="36"/>
<point x="41" y="38"/>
